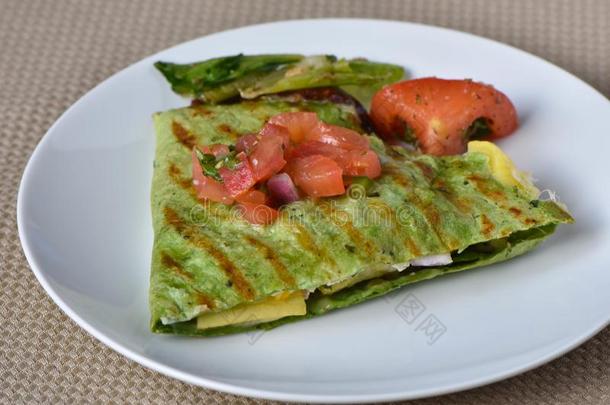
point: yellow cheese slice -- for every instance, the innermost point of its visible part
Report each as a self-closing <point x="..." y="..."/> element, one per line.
<point x="269" y="309"/>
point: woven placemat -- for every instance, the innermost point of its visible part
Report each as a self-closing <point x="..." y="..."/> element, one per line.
<point x="52" y="52"/>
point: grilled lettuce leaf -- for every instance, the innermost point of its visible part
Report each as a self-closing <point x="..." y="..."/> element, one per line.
<point x="249" y="76"/>
<point x="206" y="258"/>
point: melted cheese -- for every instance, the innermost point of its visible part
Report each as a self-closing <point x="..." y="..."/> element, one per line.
<point x="502" y="166"/>
<point x="366" y="274"/>
<point x="269" y="309"/>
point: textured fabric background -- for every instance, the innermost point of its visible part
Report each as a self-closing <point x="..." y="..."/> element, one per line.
<point x="51" y="52"/>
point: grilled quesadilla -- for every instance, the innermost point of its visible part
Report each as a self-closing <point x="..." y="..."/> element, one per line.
<point x="400" y="219"/>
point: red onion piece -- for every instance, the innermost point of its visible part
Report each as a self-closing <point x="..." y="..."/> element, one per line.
<point x="282" y="189"/>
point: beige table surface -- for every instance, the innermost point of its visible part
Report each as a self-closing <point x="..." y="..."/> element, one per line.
<point x="52" y="52"/>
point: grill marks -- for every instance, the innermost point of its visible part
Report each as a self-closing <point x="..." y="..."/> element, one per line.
<point x="500" y="199"/>
<point x="412" y="247"/>
<point x="273" y="259"/>
<point x="430" y="211"/>
<point x="173" y="265"/>
<point x="183" y="135"/>
<point x="461" y="204"/>
<point x="431" y="215"/>
<point x="195" y="237"/>
<point x="518" y="214"/>
<point x="484" y="188"/>
<point x="399" y="178"/>
<point x="452" y="196"/>
<point x="396" y="175"/>
<point x="203" y="299"/>
<point x="309" y="245"/>
<point x="409" y="244"/>
<point x="169" y="263"/>
<point x="426" y="170"/>
<point x="227" y="130"/>
<point x="201" y="111"/>
<point x="384" y="214"/>
<point x="176" y="175"/>
<point x="487" y="227"/>
<point x="434" y="219"/>
<point x="362" y="244"/>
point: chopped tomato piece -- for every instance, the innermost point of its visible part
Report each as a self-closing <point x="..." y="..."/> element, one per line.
<point x="259" y="214"/>
<point x="317" y="175"/>
<point x="298" y="124"/>
<point x="362" y="163"/>
<point x="438" y="113"/>
<point x="338" y="136"/>
<point x="240" y="178"/>
<point x="207" y="187"/>
<point x="252" y="196"/>
<point x="276" y="130"/>
<point x="309" y="148"/>
<point x="353" y="162"/>
<point x="267" y="158"/>
<point x="246" y="143"/>
<point x="218" y="149"/>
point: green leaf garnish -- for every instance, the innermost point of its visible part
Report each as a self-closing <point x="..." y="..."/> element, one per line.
<point x="231" y="161"/>
<point x="208" y="164"/>
<point x="211" y="165"/>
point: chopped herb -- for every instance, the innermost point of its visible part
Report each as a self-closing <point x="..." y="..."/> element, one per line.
<point x="208" y="164"/>
<point x="211" y="165"/>
<point x="409" y="135"/>
<point x="479" y="129"/>
<point x="535" y="203"/>
<point x="231" y="161"/>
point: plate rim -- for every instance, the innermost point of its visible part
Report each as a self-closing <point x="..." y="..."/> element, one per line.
<point x="230" y="388"/>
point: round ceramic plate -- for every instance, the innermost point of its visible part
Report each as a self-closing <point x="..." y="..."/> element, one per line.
<point x="84" y="222"/>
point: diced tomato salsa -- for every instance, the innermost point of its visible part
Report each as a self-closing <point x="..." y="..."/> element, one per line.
<point x="239" y="179"/>
<point x="317" y="175"/>
<point x="299" y="154"/>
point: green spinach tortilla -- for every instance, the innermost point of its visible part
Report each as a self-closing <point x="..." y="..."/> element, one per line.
<point x="208" y="259"/>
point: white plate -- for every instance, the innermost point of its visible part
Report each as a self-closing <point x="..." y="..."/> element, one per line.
<point x="84" y="222"/>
